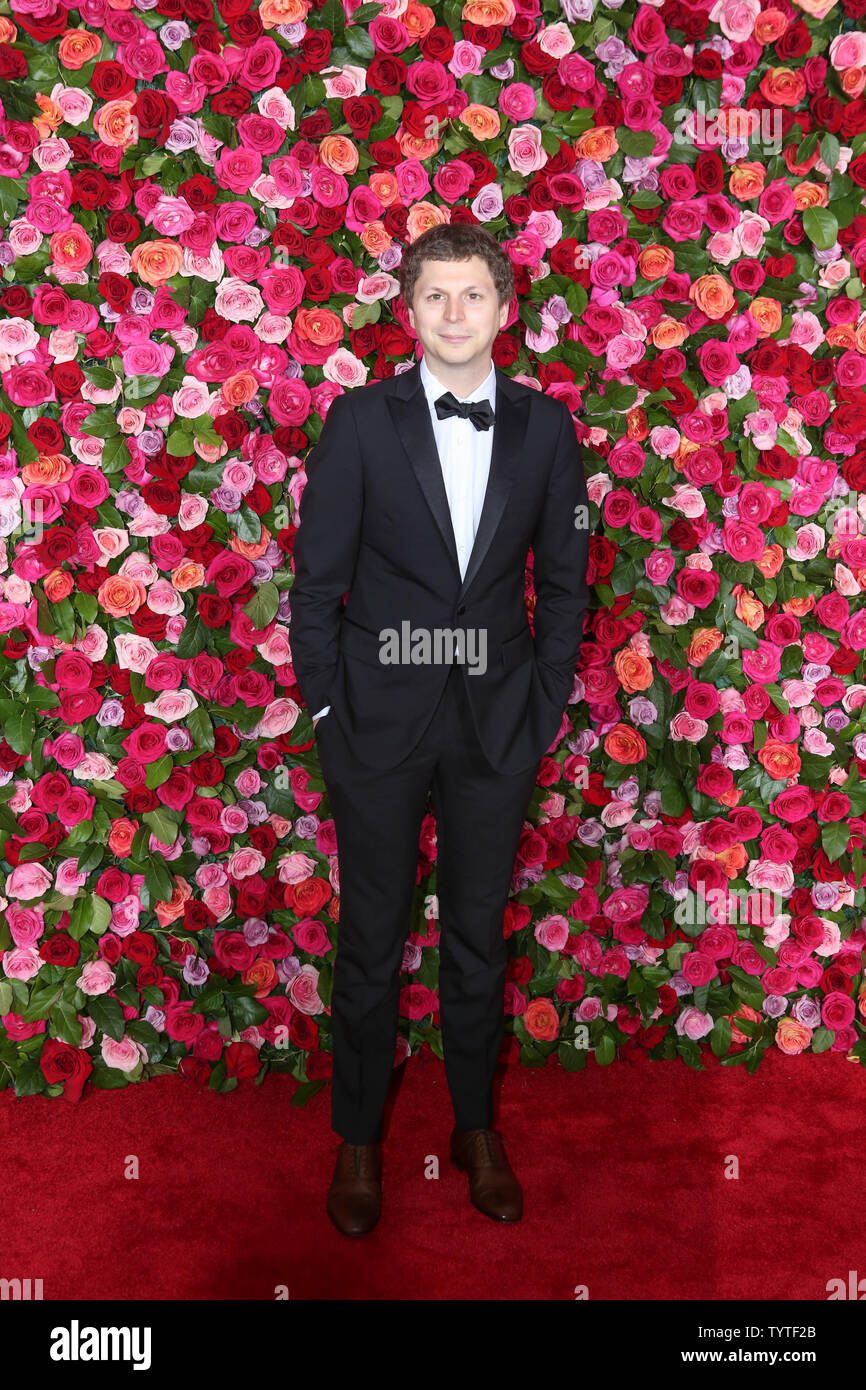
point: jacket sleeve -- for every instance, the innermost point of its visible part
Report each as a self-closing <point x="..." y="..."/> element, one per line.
<point x="325" y="551"/>
<point x="560" y="548"/>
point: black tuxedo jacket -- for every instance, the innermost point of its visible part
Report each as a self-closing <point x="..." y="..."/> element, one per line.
<point x="375" y="521"/>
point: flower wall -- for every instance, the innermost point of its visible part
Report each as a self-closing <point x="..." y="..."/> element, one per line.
<point x="203" y="215"/>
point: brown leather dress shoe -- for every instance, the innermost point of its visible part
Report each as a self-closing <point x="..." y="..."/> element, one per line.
<point x="493" y="1188"/>
<point x="354" y="1201"/>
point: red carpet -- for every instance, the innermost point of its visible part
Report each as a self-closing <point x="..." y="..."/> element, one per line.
<point x="623" y="1169"/>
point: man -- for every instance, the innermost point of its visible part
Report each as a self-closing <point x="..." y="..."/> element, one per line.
<point x="422" y="498"/>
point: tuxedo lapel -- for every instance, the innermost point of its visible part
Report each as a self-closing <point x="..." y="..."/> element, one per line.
<point x="411" y="415"/>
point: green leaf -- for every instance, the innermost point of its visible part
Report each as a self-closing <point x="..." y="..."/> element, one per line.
<point x="107" y="1015"/>
<point x="115" y="455"/>
<point x="163" y="827"/>
<point x="834" y="839"/>
<point x="263" y="605"/>
<point x="605" y="1050"/>
<point x="138" y="388"/>
<point x="179" y="444"/>
<point x="192" y="639"/>
<point x="821" y="227"/>
<point x="637" y="143"/>
<point x="201" y="729"/>
<point x="246" y="523"/>
<point x="160" y="883"/>
<point x="307" y="1090"/>
<point x="359" y="43"/>
<point x="65" y="1023"/>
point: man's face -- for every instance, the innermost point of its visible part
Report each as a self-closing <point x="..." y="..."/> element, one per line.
<point x="456" y="314"/>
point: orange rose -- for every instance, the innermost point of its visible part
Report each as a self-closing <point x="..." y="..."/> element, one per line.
<point x="744" y="1011"/>
<point x="792" y="1036"/>
<point x="844" y="335"/>
<point x="749" y="609"/>
<point x="57" y="585"/>
<point x="319" y="325"/>
<point x="375" y="238"/>
<point x="418" y="20"/>
<point x="799" y="606"/>
<point x="121" y="836"/>
<point x="118" y="595"/>
<point x="599" y="144"/>
<point x="783" y="86"/>
<point x="189" y="575"/>
<point x="705" y="640"/>
<point x="780" y="760"/>
<point x="713" y="295"/>
<point x="668" y="332"/>
<point x="733" y="860"/>
<point x="770" y="26"/>
<point x="767" y="314"/>
<point x="51" y="116"/>
<point x="633" y="671"/>
<point x="819" y="9"/>
<point x="77" y="47"/>
<point x="811" y="195"/>
<point x="263" y="974"/>
<point x="489" y="13"/>
<point x="117" y="124"/>
<point x="541" y="1020"/>
<point x="274" y="12"/>
<point x="383" y="183"/>
<point x="251" y="549"/>
<point x="624" y="745"/>
<point x="746" y="180"/>
<point x="771" y="560"/>
<point x="655" y="262"/>
<point x="423" y="215"/>
<point x="47" y="469"/>
<point x="169" y="911"/>
<point x="239" y="388"/>
<point x="338" y="153"/>
<point x="155" y="262"/>
<point x="482" y="121"/>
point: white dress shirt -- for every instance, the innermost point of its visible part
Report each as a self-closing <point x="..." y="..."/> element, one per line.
<point x="464" y="454"/>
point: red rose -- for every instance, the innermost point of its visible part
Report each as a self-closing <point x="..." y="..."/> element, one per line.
<point x="242" y="1060"/>
<point x="234" y="102"/>
<point x="316" y="48"/>
<point x="213" y="610"/>
<point x="67" y="378"/>
<point x="199" y="191"/>
<point x="110" y="80"/>
<point x="60" y="949"/>
<point x="61" y="1063"/>
<point x="16" y="301"/>
<point x="13" y="65"/>
<point x="709" y="173"/>
<point x="46" y="435"/>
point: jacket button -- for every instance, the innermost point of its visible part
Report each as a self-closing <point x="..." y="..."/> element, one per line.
<point x="462" y="608"/>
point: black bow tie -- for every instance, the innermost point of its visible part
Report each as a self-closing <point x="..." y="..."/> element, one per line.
<point x="479" y="412"/>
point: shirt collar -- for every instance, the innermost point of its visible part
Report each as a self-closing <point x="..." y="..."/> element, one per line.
<point x="434" y="388"/>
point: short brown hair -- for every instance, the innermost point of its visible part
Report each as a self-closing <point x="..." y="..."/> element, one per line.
<point x="456" y="241"/>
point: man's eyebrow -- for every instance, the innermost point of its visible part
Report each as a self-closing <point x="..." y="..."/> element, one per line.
<point x="468" y="287"/>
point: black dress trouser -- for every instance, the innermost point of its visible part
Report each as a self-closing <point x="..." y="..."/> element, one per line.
<point x="377" y="816"/>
